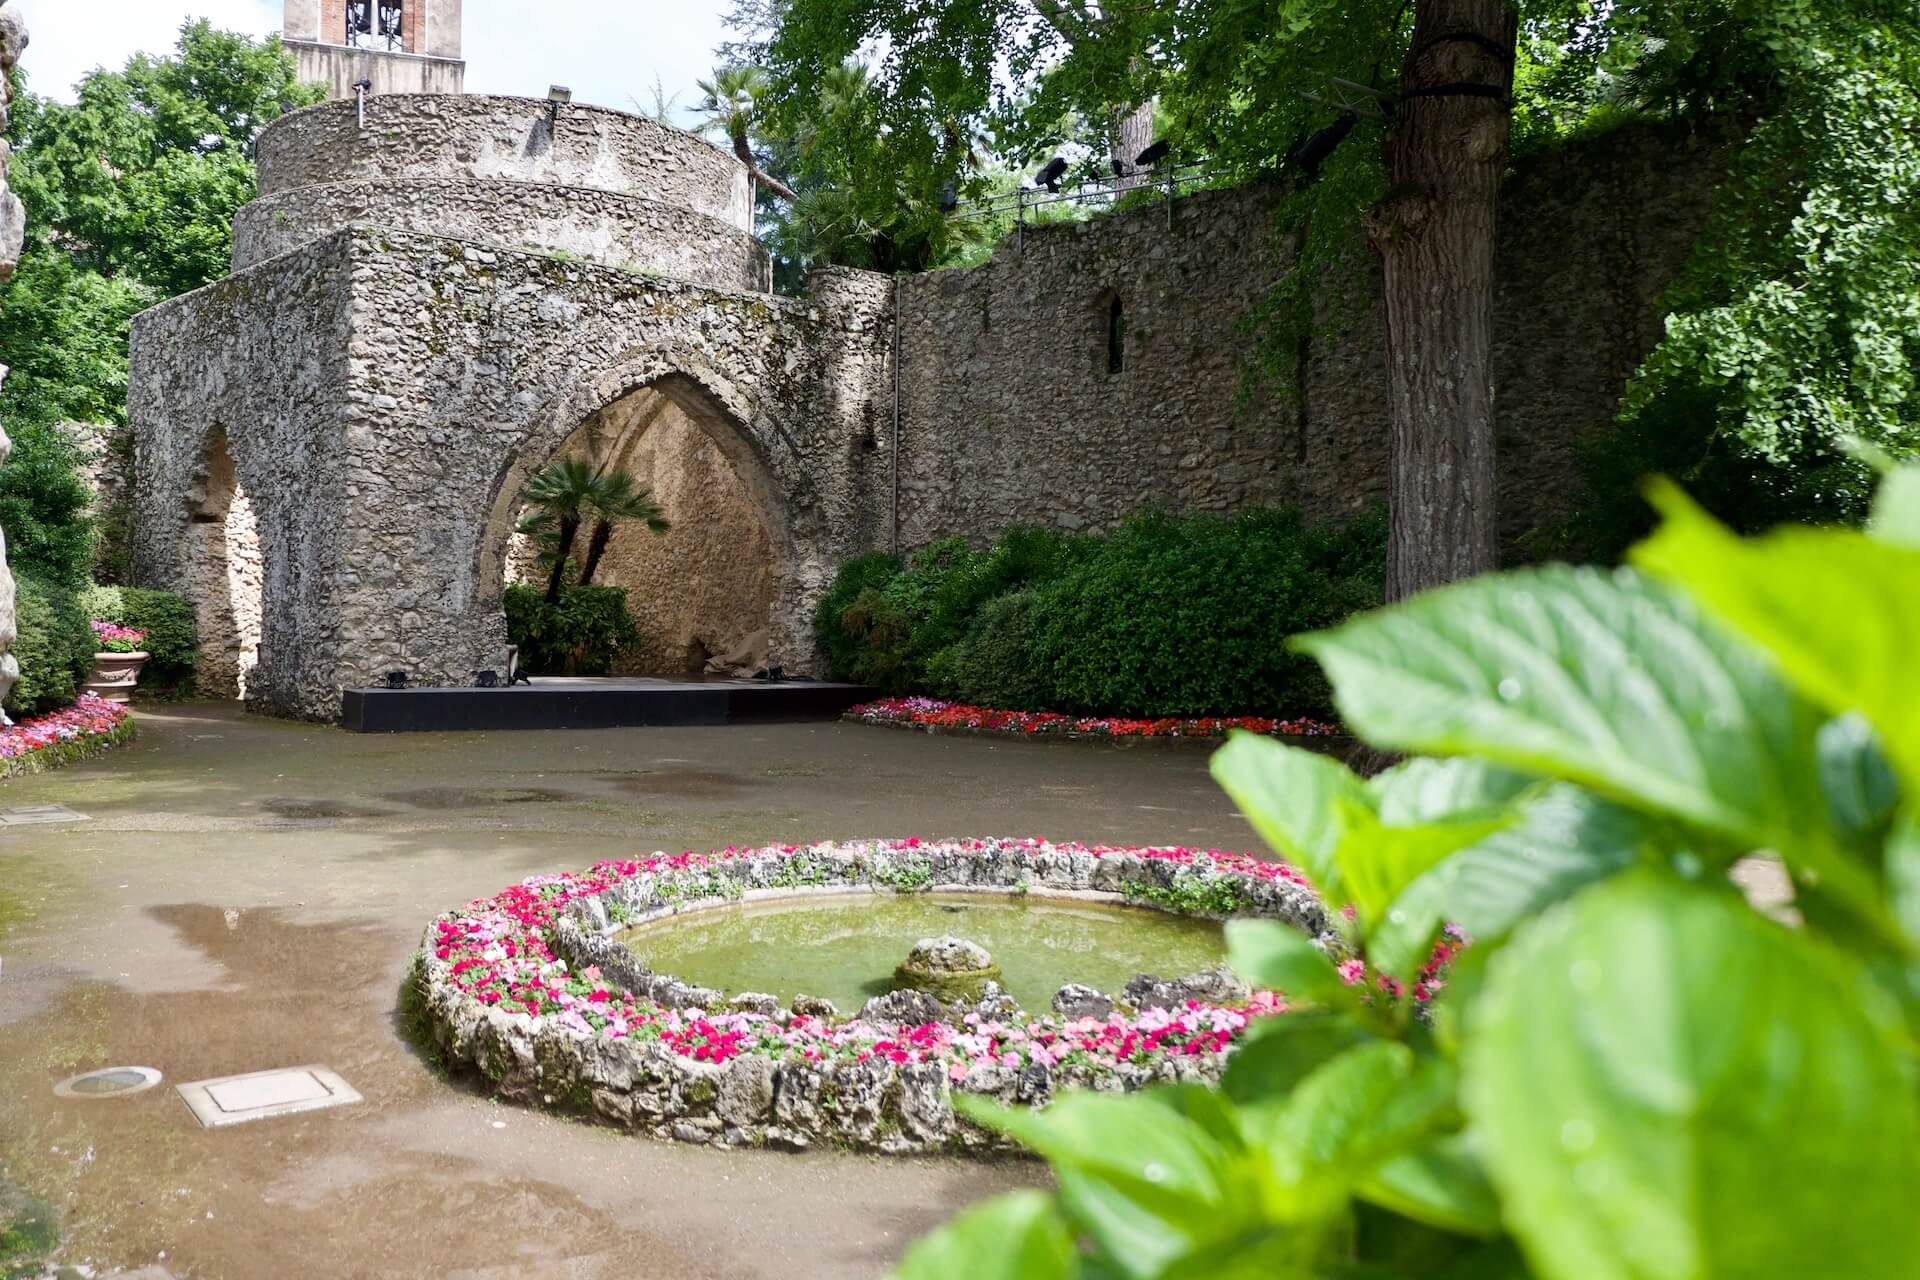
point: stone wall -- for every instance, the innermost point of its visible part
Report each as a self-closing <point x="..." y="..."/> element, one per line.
<point x="1012" y="413"/>
<point x="400" y="390"/>
<point x="421" y="136"/>
<point x="256" y="365"/>
<point x="601" y="226"/>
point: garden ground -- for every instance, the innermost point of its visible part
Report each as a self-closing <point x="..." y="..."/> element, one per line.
<point x="246" y="894"/>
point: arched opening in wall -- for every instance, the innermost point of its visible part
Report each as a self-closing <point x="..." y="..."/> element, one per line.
<point x="223" y="573"/>
<point x="702" y="593"/>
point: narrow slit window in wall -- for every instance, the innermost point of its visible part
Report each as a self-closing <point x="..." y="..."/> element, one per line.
<point x="1116" y="337"/>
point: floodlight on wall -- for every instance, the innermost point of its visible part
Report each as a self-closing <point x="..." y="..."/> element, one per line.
<point x="361" y="88"/>
<point x="558" y="96"/>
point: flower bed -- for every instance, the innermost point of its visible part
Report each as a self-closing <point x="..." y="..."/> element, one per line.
<point x="86" y="729"/>
<point x="935" y="716"/>
<point x="530" y="988"/>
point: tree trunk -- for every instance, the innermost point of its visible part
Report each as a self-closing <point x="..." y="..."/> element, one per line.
<point x="563" y="547"/>
<point x="596" y="547"/>
<point x="1446" y="151"/>
<point x="1132" y="134"/>
<point x="743" y="149"/>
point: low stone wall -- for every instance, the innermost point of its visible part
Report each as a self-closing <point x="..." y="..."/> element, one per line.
<point x="623" y="231"/>
<point x="531" y="990"/>
<point x="415" y="136"/>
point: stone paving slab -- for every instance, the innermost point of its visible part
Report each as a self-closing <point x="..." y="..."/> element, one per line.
<point x="34" y="814"/>
<point x="258" y="1095"/>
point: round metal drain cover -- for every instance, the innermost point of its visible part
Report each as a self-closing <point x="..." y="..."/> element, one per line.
<point x="108" y="1082"/>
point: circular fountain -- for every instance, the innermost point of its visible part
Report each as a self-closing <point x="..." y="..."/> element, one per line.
<point x="701" y="997"/>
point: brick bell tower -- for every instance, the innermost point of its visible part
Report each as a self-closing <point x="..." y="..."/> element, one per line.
<point x="402" y="46"/>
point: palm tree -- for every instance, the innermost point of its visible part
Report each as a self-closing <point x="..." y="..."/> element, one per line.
<point x="615" y="500"/>
<point x="732" y="104"/>
<point x="563" y="495"/>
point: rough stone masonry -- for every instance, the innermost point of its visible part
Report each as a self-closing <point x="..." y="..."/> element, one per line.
<point x="333" y="442"/>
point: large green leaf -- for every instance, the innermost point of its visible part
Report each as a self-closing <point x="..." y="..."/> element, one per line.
<point x="1146" y="1182"/>
<point x="1566" y="838"/>
<point x="1609" y="680"/>
<point x="1837" y="609"/>
<point x="1903" y="874"/>
<point x="1352" y="1114"/>
<point x="1020" y="1236"/>
<point x="1279" y="1052"/>
<point x="1669" y="1086"/>
<point x="1279" y="957"/>
<point x="1442" y="1184"/>
<point x="1292" y="797"/>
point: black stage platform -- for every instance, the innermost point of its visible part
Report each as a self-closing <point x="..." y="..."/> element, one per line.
<point x="596" y="702"/>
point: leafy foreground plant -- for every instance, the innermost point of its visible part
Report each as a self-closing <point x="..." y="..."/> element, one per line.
<point x="1633" y="1074"/>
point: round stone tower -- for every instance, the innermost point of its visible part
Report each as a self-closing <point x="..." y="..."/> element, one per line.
<point x="575" y="182"/>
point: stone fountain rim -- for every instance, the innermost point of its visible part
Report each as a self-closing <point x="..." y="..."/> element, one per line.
<point x="757" y="1098"/>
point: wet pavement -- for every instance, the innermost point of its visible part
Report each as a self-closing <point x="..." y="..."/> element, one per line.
<point x="246" y="894"/>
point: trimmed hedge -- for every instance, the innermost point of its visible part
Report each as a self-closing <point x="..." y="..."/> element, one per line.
<point x="1168" y="616"/>
<point x="173" y="634"/>
<point x="54" y="647"/>
<point x="583" y="634"/>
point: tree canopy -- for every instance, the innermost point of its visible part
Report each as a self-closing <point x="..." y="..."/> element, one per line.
<point x="1794" y="327"/>
<point x="130" y="194"/>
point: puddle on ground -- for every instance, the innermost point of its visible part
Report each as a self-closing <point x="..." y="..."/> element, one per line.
<point x="678" y="782"/>
<point x="451" y="798"/>
<point x="298" y="808"/>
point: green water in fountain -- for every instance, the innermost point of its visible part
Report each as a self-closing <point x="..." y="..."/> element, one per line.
<point x="846" y="947"/>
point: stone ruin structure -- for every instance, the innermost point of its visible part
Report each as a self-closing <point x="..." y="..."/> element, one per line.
<point x="13" y="216"/>
<point x="426" y="308"/>
<point x="433" y="299"/>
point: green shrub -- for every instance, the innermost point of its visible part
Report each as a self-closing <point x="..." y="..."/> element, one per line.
<point x="1169" y="616"/>
<point x="173" y="636"/>
<point x="901" y="626"/>
<point x="1190" y="616"/>
<point x="857" y="575"/>
<point x="583" y="634"/>
<point x="994" y="665"/>
<point x="54" y="647"/>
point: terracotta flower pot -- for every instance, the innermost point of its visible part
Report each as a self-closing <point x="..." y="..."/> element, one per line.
<point x="115" y="674"/>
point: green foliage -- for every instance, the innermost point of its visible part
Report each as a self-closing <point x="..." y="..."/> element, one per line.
<point x="1189" y="616"/>
<point x="582" y="634"/>
<point x="130" y="194"/>
<point x="173" y="639"/>
<point x="1192" y="893"/>
<point x="1634" y="1074"/>
<point x="858" y="575"/>
<point x="992" y="666"/>
<point x="44" y="505"/>
<point x="1168" y="616"/>
<point x="569" y="494"/>
<point x="54" y="646"/>
<point x="1796" y="319"/>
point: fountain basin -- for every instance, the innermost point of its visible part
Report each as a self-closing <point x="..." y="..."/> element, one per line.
<point x="531" y="989"/>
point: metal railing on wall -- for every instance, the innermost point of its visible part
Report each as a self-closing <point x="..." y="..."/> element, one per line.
<point x="1095" y="192"/>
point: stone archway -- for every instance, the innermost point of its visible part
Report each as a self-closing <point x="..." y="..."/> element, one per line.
<point x="222" y="571"/>
<point x="707" y="592"/>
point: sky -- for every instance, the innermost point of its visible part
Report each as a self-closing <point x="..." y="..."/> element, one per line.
<point x="607" y="51"/>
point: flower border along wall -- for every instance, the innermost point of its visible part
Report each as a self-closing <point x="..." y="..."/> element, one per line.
<point x="90" y="727"/>
<point x="530" y="989"/>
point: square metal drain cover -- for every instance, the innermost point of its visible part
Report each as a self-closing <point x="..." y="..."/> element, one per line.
<point x="33" y="814"/>
<point x="260" y="1094"/>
